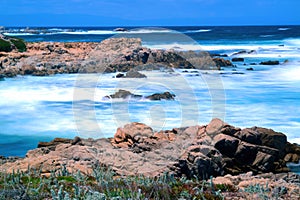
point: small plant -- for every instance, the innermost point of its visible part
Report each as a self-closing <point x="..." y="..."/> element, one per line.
<point x="19" y="44"/>
<point x="5" y="45"/>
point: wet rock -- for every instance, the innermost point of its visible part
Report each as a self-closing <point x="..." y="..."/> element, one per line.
<point x="221" y="62"/>
<point x="240" y="52"/>
<point x="237" y="59"/>
<point x="250" y="69"/>
<point x="161" y="96"/>
<point x="270" y="62"/>
<point x="123" y="94"/>
<point x="120" y="29"/>
<point x="134" y="74"/>
<point x="120" y="75"/>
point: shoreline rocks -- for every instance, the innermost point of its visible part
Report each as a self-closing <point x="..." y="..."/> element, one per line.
<point x="110" y="55"/>
<point x="215" y="150"/>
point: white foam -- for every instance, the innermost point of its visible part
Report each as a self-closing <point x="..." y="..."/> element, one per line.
<point x="176" y="46"/>
<point x="198" y="31"/>
<point x="195" y="46"/>
<point x="18" y="34"/>
<point x="283" y="29"/>
<point x="91" y="32"/>
<point x="294" y="42"/>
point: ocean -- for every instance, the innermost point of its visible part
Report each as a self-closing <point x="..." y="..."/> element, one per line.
<point x="41" y="108"/>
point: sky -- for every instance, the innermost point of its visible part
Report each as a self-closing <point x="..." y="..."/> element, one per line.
<point x="148" y="12"/>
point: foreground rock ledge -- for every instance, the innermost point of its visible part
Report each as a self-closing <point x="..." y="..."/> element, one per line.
<point x="215" y="150"/>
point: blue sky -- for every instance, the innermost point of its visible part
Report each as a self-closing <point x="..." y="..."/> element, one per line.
<point x="148" y="12"/>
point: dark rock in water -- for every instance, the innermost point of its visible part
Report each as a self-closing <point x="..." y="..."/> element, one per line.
<point x="134" y="74"/>
<point x="240" y="52"/>
<point x="270" y="62"/>
<point x="123" y="94"/>
<point x="221" y="62"/>
<point x="119" y="75"/>
<point x="160" y="96"/>
<point x="253" y="64"/>
<point x="250" y="69"/>
<point x="252" y="52"/>
<point x="218" y="55"/>
<point x="237" y="59"/>
<point x="238" y="73"/>
<point x="224" y="55"/>
<point x="281" y="45"/>
<point x="120" y="29"/>
<point x="2" y="77"/>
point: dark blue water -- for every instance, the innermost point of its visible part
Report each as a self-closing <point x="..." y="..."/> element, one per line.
<point x="213" y="34"/>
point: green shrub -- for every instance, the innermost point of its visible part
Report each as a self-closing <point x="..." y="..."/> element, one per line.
<point x="20" y="44"/>
<point x="5" y="46"/>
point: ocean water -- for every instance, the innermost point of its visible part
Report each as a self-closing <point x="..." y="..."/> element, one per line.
<point x="41" y="108"/>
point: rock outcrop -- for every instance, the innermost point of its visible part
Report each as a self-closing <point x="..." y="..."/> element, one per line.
<point x="111" y="55"/>
<point x="124" y="94"/>
<point x="203" y="151"/>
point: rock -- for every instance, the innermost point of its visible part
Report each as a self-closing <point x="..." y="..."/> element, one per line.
<point x="270" y="62"/>
<point x="123" y="94"/>
<point x="250" y="69"/>
<point x="215" y="150"/>
<point x="28" y="69"/>
<point x="240" y="52"/>
<point x="120" y="29"/>
<point x="120" y="75"/>
<point x="237" y="59"/>
<point x="52" y="144"/>
<point x="160" y="96"/>
<point x="109" y="56"/>
<point x="272" y="139"/>
<point x="134" y="74"/>
<point x="132" y="133"/>
<point x="226" y="144"/>
<point x="221" y="62"/>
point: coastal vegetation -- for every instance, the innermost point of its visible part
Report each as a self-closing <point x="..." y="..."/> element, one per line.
<point x="7" y="44"/>
<point x="103" y="184"/>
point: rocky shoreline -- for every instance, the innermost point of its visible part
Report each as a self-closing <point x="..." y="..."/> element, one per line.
<point x="234" y="157"/>
<point x="110" y="55"/>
